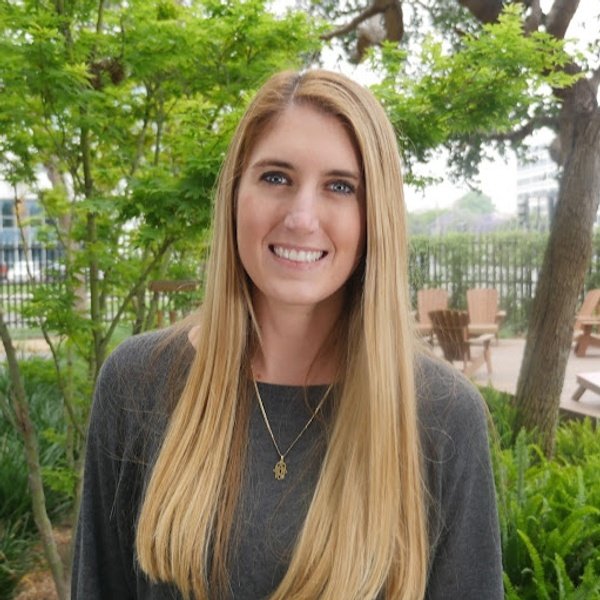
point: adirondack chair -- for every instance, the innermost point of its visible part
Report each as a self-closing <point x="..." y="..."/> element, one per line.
<point x="428" y="300"/>
<point x="484" y="316"/>
<point x="587" y="319"/>
<point x="451" y="330"/>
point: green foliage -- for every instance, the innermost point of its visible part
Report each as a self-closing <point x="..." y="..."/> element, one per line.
<point x="15" y="545"/>
<point x="550" y="521"/>
<point x="17" y="528"/>
<point x="474" y="203"/>
<point x="493" y="80"/>
<point x="503" y="412"/>
<point x="45" y="400"/>
<point x="130" y="111"/>
<point x="549" y="509"/>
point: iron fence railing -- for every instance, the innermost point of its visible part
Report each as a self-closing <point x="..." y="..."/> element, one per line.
<point x="509" y="262"/>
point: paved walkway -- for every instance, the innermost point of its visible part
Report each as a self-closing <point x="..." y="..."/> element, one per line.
<point x="507" y="355"/>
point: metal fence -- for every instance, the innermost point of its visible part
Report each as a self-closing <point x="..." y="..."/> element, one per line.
<point x="21" y="270"/>
<point x="511" y="263"/>
<point x="508" y="262"/>
<point x="40" y="269"/>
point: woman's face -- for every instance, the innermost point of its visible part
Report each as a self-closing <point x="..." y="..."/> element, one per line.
<point x="300" y="210"/>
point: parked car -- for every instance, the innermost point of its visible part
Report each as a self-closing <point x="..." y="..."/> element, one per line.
<point x="23" y="270"/>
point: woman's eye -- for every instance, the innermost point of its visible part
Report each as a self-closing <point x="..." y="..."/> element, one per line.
<point x="341" y="187"/>
<point x="275" y="178"/>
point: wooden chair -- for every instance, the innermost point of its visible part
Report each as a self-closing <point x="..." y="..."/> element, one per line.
<point x="587" y="319"/>
<point x="484" y="316"/>
<point x="451" y="330"/>
<point x="166" y="287"/>
<point x="428" y="300"/>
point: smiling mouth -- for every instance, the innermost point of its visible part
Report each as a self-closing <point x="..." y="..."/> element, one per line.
<point x="299" y="256"/>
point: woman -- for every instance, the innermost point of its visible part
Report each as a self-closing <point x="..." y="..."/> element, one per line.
<point x="291" y="441"/>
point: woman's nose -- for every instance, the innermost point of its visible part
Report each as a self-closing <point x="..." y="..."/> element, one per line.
<point x="302" y="212"/>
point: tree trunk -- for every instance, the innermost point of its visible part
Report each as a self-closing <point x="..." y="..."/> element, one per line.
<point x="566" y="260"/>
<point x="27" y="431"/>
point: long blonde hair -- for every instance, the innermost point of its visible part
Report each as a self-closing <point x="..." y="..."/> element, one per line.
<point x="366" y="528"/>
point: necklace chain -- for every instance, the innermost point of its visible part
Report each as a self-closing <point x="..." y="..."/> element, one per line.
<point x="280" y="469"/>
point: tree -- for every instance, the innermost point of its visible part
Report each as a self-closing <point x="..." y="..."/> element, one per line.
<point x="450" y="115"/>
<point x="475" y="203"/>
<point x="128" y="107"/>
<point x="473" y="212"/>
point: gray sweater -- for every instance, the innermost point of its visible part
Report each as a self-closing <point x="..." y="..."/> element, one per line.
<point x="126" y="425"/>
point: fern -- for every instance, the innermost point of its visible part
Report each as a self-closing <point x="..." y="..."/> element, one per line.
<point x="509" y="589"/>
<point x="522" y="462"/>
<point x="538" y="567"/>
<point x="565" y="585"/>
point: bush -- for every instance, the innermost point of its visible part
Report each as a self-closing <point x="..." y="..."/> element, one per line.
<point x="549" y="509"/>
<point x="17" y="529"/>
<point x="16" y="541"/>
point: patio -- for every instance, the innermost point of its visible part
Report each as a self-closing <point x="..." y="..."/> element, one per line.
<point x="506" y="361"/>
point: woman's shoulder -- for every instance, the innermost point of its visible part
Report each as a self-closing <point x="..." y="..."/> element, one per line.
<point x="137" y="350"/>
<point x="146" y="357"/>
<point x="143" y="371"/>
<point x="449" y="405"/>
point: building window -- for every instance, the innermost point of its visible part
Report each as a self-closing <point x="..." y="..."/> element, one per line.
<point x="8" y="214"/>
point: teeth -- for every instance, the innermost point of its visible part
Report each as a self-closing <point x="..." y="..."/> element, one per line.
<point x="305" y="256"/>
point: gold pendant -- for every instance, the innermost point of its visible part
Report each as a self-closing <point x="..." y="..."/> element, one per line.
<point x="280" y="469"/>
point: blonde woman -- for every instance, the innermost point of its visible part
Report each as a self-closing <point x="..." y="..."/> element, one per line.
<point x="290" y="440"/>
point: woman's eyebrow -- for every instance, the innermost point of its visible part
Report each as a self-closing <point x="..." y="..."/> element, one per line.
<point x="343" y="173"/>
<point x="272" y="162"/>
<point x="282" y="164"/>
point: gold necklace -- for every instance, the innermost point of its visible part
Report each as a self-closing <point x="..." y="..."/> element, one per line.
<point x="280" y="469"/>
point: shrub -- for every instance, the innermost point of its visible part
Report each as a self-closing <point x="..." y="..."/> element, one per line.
<point x="17" y="529"/>
<point x="15" y="543"/>
<point x="549" y="509"/>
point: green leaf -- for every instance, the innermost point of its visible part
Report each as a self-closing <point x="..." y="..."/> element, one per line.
<point x="538" y="568"/>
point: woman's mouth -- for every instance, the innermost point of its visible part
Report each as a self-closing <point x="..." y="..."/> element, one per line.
<point x="300" y="256"/>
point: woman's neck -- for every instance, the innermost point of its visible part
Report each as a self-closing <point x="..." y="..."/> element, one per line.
<point x="293" y="348"/>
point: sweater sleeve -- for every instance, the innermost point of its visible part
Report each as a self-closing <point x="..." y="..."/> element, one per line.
<point x="127" y="422"/>
<point x="466" y="562"/>
<point x="103" y="561"/>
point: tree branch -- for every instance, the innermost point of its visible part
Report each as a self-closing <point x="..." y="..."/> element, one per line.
<point x="132" y="292"/>
<point x="535" y="18"/>
<point x="595" y="80"/>
<point x="486" y="11"/>
<point x="369" y="12"/>
<point x="100" y="20"/>
<point x="560" y="16"/>
<point x="518" y="135"/>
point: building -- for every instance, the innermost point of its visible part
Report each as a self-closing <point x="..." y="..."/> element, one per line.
<point x="537" y="189"/>
<point x="21" y="243"/>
